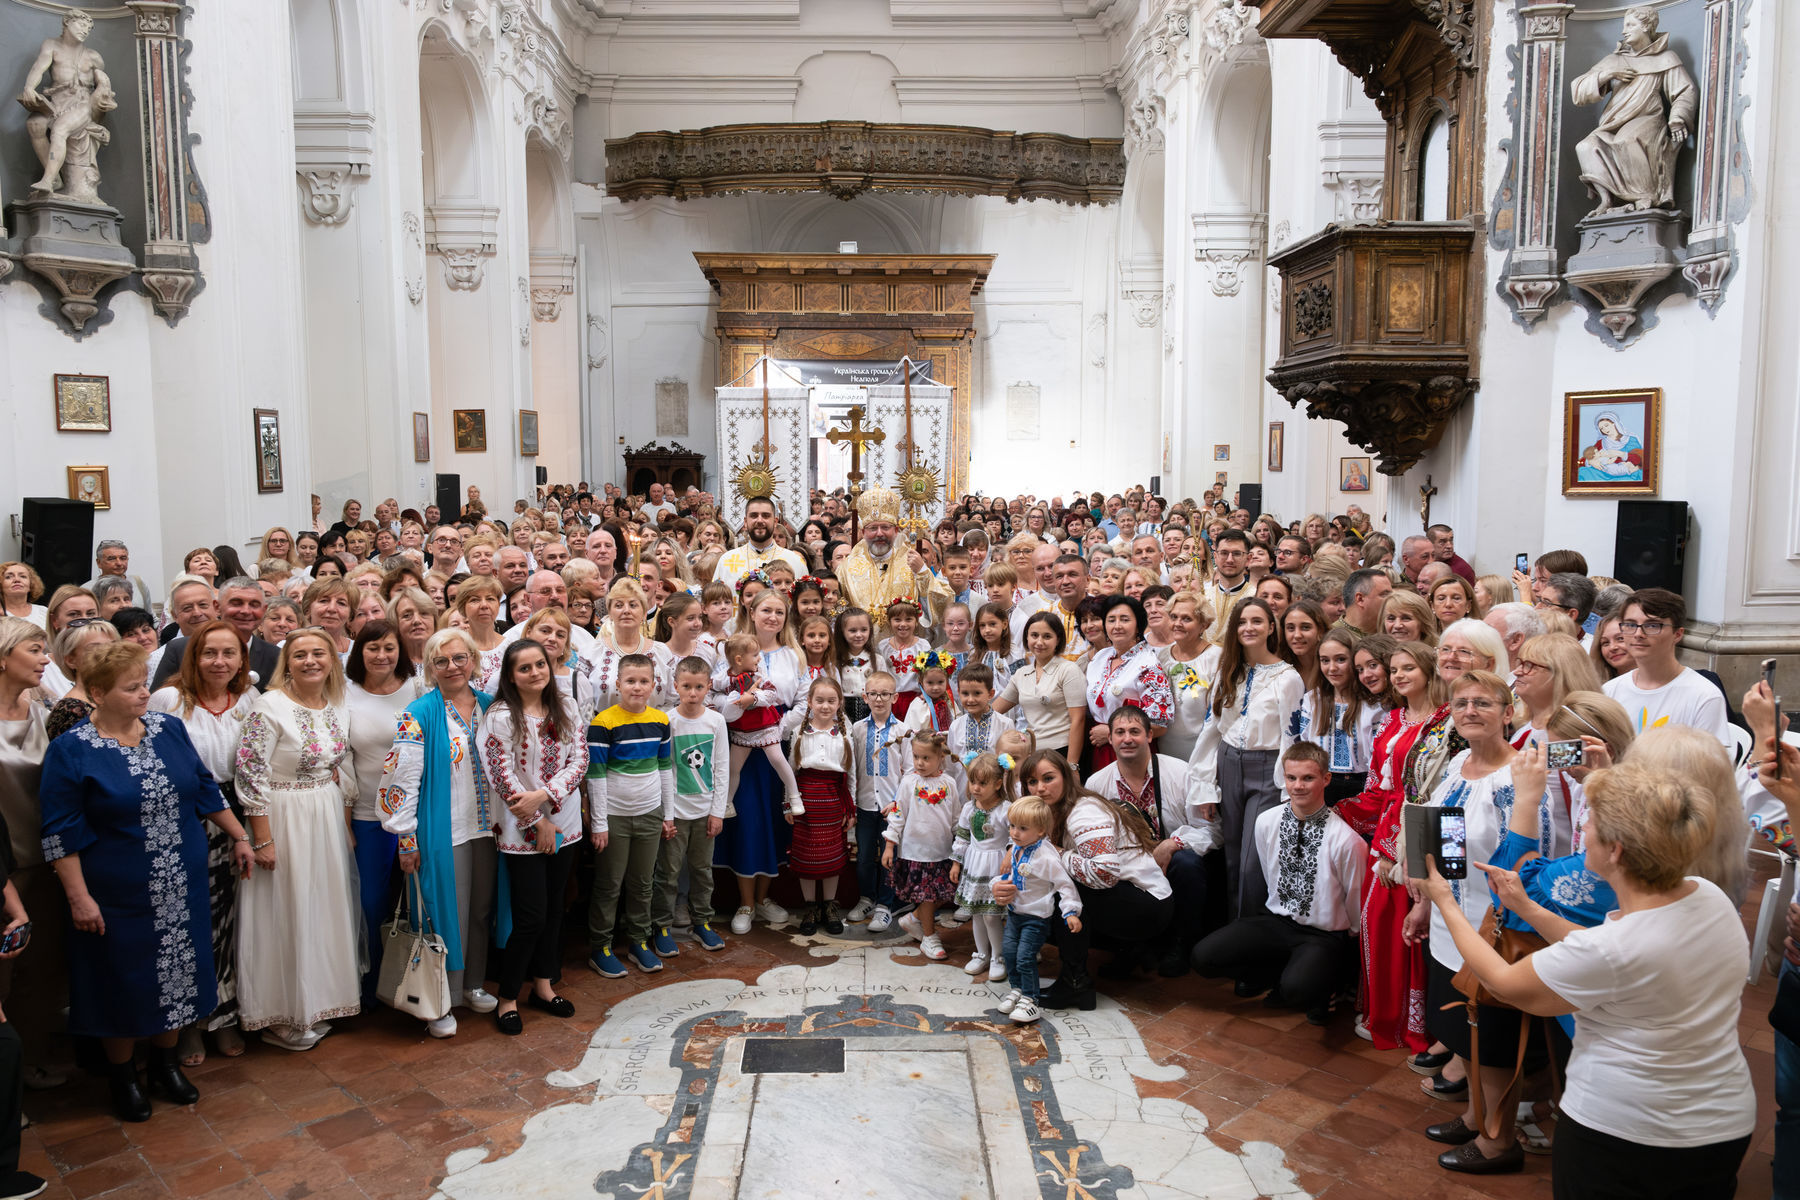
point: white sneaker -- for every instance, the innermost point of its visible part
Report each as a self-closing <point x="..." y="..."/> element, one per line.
<point x="976" y="965"/>
<point x="1025" y="1011"/>
<point x="933" y="949"/>
<point x="947" y="921"/>
<point x="997" y="970"/>
<point x="480" y="1001"/>
<point x="963" y="913"/>
<point x="910" y="923"/>
<point x="863" y="910"/>
<point x="1362" y="1030"/>
<point x="443" y="1027"/>
<point x="772" y="913"/>
<point x="880" y="919"/>
<point x="1009" y="1001"/>
<point x="796" y="806"/>
<point x="740" y="921"/>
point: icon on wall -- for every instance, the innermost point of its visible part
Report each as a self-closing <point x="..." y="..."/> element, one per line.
<point x="268" y="450"/>
<point x="92" y="485"/>
<point x="528" y="432"/>
<point x="421" y="437"/>
<point x="1277" y="444"/>
<point x="1221" y="453"/>
<point x="1612" y="443"/>
<point x="83" y="404"/>
<point x="471" y="429"/>
<point x="1353" y="474"/>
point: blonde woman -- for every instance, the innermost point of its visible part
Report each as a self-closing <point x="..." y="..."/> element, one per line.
<point x="1491" y="590"/>
<point x="551" y="629"/>
<point x="299" y="937"/>
<point x="414" y="617"/>
<point x="1406" y="617"/>
<point x="478" y="601"/>
<point x="278" y="543"/>
<point x="328" y="605"/>
<point x="627" y="608"/>
<point x="20" y="590"/>
<point x="68" y="649"/>
<point x="668" y="555"/>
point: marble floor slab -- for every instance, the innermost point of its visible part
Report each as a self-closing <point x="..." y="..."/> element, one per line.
<point x="896" y="1122"/>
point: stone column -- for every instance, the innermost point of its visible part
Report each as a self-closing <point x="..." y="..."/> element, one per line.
<point x="1710" y="252"/>
<point x="171" y="268"/>
<point x="1533" y="275"/>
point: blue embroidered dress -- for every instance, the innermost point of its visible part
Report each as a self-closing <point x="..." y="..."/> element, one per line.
<point x="134" y="814"/>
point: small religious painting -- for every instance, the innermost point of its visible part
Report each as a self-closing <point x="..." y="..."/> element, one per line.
<point x="83" y="404"/>
<point x="92" y="485"/>
<point x="1221" y="453"/>
<point x="1277" y="444"/>
<point x="528" y="433"/>
<point x="268" y="450"/>
<point x="421" y="437"/>
<point x="471" y="429"/>
<point x="1353" y="474"/>
<point x="1612" y="443"/>
<point x="1220" y="478"/>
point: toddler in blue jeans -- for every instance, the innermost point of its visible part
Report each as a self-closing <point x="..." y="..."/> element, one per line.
<point x="1036" y="869"/>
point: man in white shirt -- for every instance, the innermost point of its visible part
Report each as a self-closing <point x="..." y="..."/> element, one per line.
<point x="1168" y="794"/>
<point x="547" y="590"/>
<point x="113" y="557"/>
<point x="1230" y="579"/>
<point x="1304" y="945"/>
<point x="1660" y="691"/>
<point x="658" y="507"/>
<point x="759" y="549"/>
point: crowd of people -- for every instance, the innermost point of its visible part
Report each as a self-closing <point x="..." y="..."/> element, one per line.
<point x="1182" y="733"/>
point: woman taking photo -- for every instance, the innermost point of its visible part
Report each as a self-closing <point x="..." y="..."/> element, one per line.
<point x="1191" y="663"/>
<point x="298" y="936"/>
<point x="435" y="797"/>
<point x="123" y="799"/>
<point x="1659" y="1100"/>
<point x="1048" y="689"/>
<point x="534" y="745"/>
<point x="1106" y="848"/>
<point x="211" y="695"/>
<point x="1548" y="668"/>
<point x="1479" y="781"/>
<point x="383" y="680"/>
<point x="1252" y="695"/>
<point x="1124" y="672"/>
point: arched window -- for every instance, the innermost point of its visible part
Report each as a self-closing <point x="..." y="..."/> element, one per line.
<point x="1434" y="170"/>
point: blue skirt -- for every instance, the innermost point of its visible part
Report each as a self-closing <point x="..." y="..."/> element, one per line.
<point x="755" y="842"/>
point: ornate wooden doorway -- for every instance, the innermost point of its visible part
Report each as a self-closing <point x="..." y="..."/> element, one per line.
<point x="851" y="307"/>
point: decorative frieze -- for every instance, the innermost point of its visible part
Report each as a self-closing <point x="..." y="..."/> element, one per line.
<point x="848" y="158"/>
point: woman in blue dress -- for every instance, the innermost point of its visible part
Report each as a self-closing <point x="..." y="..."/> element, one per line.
<point x="123" y="797"/>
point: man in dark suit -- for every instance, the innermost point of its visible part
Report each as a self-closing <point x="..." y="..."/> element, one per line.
<point x="241" y="602"/>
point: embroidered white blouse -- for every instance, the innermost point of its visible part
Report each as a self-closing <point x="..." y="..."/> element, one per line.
<point x="1254" y="720"/>
<point x="215" y="736"/>
<point x="1190" y="687"/>
<point x="529" y="759"/>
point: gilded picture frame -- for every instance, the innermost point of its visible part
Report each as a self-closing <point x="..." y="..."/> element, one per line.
<point x="471" y="429"/>
<point x="92" y="484"/>
<point x="1612" y="443"/>
<point x="1277" y="444"/>
<point x="83" y="403"/>
<point x="421" y="437"/>
<point x="528" y="433"/>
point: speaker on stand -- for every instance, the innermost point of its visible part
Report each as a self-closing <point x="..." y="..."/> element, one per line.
<point x="449" y="497"/>
<point x="1250" y="499"/>
<point x="56" y="540"/>
<point x="1650" y="544"/>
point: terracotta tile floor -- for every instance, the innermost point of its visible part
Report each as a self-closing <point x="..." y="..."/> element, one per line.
<point x="373" y="1111"/>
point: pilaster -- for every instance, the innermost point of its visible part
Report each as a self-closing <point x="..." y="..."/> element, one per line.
<point x="170" y="266"/>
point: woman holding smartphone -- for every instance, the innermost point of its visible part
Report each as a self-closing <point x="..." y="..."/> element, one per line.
<point x="1546" y="671"/>
<point x="1478" y="781"/>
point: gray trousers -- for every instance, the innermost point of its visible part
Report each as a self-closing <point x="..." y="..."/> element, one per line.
<point x="1246" y="791"/>
<point x="690" y="848"/>
<point x="477" y="870"/>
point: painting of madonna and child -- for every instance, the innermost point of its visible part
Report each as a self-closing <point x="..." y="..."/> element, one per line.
<point x="1612" y="443"/>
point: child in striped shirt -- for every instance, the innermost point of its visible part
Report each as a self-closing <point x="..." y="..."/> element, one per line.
<point x="631" y="809"/>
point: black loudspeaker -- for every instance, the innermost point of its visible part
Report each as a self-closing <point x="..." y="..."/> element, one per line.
<point x="543" y="476"/>
<point x="449" y="497"/>
<point x="1249" y="497"/>
<point x="57" y="540"/>
<point x="1156" y="485"/>
<point x="1650" y="545"/>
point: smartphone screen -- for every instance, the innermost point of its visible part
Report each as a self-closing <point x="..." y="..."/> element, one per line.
<point x="1453" y="860"/>
<point x="1522" y="563"/>
<point x="1563" y="755"/>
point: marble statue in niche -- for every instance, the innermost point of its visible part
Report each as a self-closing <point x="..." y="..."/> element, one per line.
<point x="65" y="124"/>
<point x="1628" y="162"/>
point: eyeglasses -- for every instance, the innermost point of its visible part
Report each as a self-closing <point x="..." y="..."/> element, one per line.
<point x="1526" y="667"/>
<point x="1652" y="628"/>
<point x="455" y="660"/>
<point x="1458" y="654"/>
<point x="1475" y="704"/>
<point x="83" y="622"/>
<point x="878" y="695"/>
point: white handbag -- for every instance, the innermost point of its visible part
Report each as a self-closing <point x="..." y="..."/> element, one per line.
<point x="415" y="975"/>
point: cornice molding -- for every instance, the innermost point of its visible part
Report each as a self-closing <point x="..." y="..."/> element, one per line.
<point x="848" y="158"/>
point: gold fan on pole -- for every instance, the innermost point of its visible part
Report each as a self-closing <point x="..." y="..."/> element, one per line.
<point x="758" y="479"/>
<point x="918" y="484"/>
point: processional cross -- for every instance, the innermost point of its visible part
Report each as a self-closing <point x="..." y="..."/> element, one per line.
<point x="859" y="439"/>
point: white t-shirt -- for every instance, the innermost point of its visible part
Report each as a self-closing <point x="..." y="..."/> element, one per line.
<point x="1687" y="699"/>
<point x="653" y="513"/>
<point x="1657" y="996"/>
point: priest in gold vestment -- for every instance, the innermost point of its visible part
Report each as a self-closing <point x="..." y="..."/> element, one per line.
<point x="880" y="570"/>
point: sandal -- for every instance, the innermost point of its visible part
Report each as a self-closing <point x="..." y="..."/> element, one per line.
<point x="1534" y="1136"/>
<point x="1439" y="1088"/>
<point x="191" y="1046"/>
<point x="229" y="1041"/>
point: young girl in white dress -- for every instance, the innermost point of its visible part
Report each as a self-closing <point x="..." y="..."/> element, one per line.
<point x="920" y="830"/>
<point x="854" y="658"/>
<point x="980" y="844"/>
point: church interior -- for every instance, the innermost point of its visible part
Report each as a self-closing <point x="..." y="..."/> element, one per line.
<point x="1396" y="256"/>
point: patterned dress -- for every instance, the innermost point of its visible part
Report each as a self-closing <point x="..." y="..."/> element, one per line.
<point x="133" y="814"/>
<point x="982" y="836"/>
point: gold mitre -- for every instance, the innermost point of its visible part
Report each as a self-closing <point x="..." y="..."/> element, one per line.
<point x="879" y="504"/>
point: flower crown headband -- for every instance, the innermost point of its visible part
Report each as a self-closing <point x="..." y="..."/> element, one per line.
<point x="928" y="659"/>
<point x="1006" y="761"/>
<point x="750" y="577"/>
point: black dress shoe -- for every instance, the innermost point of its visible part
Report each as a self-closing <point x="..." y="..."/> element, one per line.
<point x="510" y="1023"/>
<point x="1471" y="1161"/>
<point x="1173" y="964"/>
<point x="1073" y="990"/>
<point x="1445" y="1089"/>
<point x="1452" y="1132"/>
<point x="1245" y="989"/>
<point x="166" y="1078"/>
<point x="1427" y="1063"/>
<point x="1319" y="1014"/>
<point x="128" y="1099"/>
<point x="556" y="1006"/>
